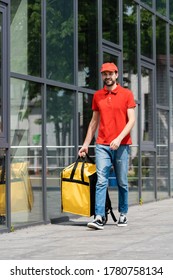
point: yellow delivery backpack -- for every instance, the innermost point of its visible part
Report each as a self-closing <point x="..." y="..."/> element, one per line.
<point x="78" y="182"/>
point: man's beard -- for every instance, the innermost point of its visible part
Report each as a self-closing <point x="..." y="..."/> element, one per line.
<point x="109" y="83"/>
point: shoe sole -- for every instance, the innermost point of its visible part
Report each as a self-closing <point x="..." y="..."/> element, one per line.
<point x="121" y="225"/>
<point x="94" y="226"/>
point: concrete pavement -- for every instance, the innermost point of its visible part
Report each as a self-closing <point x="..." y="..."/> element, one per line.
<point x="148" y="236"/>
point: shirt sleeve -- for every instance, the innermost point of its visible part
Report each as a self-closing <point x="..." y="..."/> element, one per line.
<point x="94" y="104"/>
<point x="131" y="101"/>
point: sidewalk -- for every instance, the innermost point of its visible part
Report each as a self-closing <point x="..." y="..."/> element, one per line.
<point x="148" y="236"/>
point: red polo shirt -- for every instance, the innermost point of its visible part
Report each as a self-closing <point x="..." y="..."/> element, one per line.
<point x="112" y="107"/>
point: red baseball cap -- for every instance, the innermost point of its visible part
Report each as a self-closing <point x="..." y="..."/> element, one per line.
<point x="109" y="66"/>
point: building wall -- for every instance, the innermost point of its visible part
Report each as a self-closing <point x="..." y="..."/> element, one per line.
<point x="57" y="48"/>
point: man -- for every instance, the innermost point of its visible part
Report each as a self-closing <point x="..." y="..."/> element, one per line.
<point x="114" y="116"/>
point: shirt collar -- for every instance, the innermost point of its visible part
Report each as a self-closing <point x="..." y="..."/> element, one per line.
<point x="106" y="91"/>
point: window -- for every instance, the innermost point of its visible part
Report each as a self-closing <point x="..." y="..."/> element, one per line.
<point x="87" y="44"/>
<point x="161" y="63"/>
<point x="171" y="45"/>
<point x="60" y="134"/>
<point x="26" y="37"/>
<point x="130" y="77"/>
<point x="60" y="41"/>
<point x="147" y="104"/>
<point x="162" y="154"/>
<point x="146" y="33"/>
<point x="148" y="2"/>
<point x="26" y="147"/>
<point x="161" y="6"/>
<point x="110" y="25"/>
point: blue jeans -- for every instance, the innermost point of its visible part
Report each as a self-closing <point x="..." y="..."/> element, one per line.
<point x="105" y="159"/>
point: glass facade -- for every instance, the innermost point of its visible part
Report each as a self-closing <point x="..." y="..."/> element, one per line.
<point x="130" y="68"/>
<point x="146" y="33"/>
<point x="87" y="44"/>
<point x="26" y="150"/>
<point x="55" y="51"/>
<point x="60" y="41"/>
<point x="26" y="37"/>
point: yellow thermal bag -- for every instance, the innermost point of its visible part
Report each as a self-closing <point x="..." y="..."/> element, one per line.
<point x="21" y="189"/>
<point x="78" y="182"/>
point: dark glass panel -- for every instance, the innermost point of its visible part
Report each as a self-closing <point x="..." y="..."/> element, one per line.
<point x="146" y="33"/>
<point x="162" y="154"/>
<point x="84" y="115"/>
<point x="107" y="57"/>
<point x="133" y="175"/>
<point x="161" y="63"/>
<point x="87" y="44"/>
<point x="161" y="6"/>
<point x="110" y="16"/>
<point x="171" y="109"/>
<point x="171" y="10"/>
<point x="171" y="45"/>
<point x="148" y="2"/>
<point x="147" y="104"/>
<point x="130" y="78"/>
<point x="26" y="37"/>
<point x="148" y="176"/>
<point x="60" y="40"/>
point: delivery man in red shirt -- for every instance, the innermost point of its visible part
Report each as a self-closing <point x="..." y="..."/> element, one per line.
<point x="114" y="116"/>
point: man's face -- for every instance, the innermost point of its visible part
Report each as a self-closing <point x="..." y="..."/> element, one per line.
<point x="109" y="78"/>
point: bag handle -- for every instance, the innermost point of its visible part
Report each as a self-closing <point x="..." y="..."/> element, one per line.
<point x="79" y="159"/>
<point x="84" y="160"/>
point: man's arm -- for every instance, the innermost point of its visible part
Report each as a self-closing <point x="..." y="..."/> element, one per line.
<point x="131" y="121"/>
<point x="90" y="133"/>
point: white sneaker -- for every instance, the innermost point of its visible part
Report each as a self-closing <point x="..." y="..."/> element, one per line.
<point x="97" y="223"/>
<point x="122" y="221"/>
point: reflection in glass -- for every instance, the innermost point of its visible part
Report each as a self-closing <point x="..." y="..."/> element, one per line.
<point x="148" y="2"/>
<point x="60" y="131"/>
<point x="147" y="104"/>
<point x="161" y="6"/>
<point x="146" y="33"/>
<point x="161" y="63"/>
<point x="171" y="10"/>
<point x="133" y="175"/>
<point x="148" y="181"/>
<point x="171" y="171"/>
<point x="171" y="44"/>
<point x="26" y="150"/>
<point x="171" y="110"/>
<point x="110" y="17"/>
<point x="107" y="57"/>
<point x="84" y="115"/>
<point x="26" y="37"/>
<point x="87" y="44"/>
<point x="130" y="78"/>
<point x="2" y="188"/>
<point x="60" y="40"/>
<point x="162" y="154"/>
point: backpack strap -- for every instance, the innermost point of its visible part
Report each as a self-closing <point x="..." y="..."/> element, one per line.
<point x="109" y="207"/>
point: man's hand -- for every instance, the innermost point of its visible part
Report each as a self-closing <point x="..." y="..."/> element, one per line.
<point x="114" y="145"/>
<point x="83" y="151"/>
